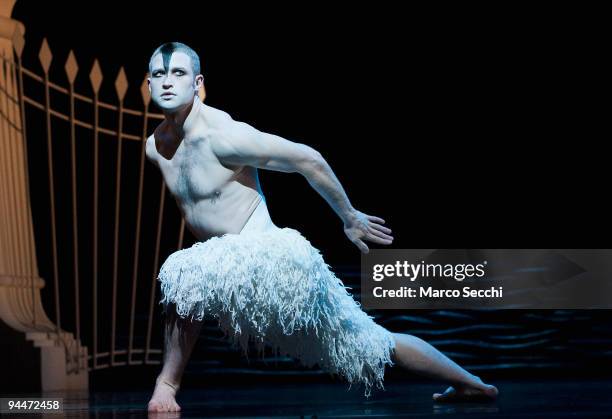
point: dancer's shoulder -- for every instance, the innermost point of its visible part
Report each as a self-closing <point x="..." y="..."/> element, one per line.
<point x="151" y="148"/>
<point x="216" y="116"/>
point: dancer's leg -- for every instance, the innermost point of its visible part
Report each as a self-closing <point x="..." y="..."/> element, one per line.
<point x="179" y="339"/>
<point x="418" y="356"/>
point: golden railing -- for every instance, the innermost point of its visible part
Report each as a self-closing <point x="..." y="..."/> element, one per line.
<point x="18" y="262"/>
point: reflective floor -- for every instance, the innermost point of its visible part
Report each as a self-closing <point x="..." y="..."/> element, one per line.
<point x="529" y="398"/>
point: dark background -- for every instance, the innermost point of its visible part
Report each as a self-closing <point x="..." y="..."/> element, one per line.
<point x="462" y="127"/>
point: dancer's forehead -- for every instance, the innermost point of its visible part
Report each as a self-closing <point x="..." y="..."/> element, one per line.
<point x="165" y="60"/>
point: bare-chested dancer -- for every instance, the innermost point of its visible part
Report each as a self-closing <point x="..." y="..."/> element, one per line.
<point x="209" y="163"/>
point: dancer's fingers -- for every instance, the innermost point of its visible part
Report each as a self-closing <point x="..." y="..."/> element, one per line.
<point x="376" y="239"/>
<point x="377" y="219"/>
<point x="381" y="228"/>
<point x="380" y="234"/>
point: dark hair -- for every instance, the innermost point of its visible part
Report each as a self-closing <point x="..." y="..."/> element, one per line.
<point x="167" y="49"/>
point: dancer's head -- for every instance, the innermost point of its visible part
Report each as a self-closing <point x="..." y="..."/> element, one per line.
<point x="174" y="76"/>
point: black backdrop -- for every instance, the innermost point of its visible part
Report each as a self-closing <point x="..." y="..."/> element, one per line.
<point x="461" y="127"/>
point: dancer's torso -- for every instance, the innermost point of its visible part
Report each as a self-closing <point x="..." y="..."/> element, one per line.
<point x="214" y="198"/>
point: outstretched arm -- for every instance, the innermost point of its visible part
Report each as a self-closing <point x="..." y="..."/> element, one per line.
<point x="244" y="145"/>
<point x="357" y="225"/>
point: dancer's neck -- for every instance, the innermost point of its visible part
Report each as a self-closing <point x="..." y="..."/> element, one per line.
<point x="181" y="122"/>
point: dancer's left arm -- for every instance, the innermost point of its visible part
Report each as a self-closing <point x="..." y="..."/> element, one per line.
<point x="245" y="145"/>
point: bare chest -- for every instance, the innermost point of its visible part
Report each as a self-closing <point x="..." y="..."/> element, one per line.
<point x="194" y="173"/>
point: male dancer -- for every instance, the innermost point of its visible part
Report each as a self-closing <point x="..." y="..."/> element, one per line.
<point x="209" y="163"/>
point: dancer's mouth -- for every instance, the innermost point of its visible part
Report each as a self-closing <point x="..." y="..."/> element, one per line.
<point x="167" y="94"/>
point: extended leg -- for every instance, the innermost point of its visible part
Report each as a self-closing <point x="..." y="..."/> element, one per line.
<point x="418" y="356"/>
<point x="179" y="339"/>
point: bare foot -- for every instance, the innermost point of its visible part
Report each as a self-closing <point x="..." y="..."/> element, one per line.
<point x="163" y="399"/>
<point x="468" y="393"/>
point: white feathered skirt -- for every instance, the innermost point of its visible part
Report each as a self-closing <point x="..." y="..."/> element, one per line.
<point x="274" y="288"/>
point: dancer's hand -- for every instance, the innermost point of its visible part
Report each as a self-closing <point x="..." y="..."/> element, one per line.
<point x="359" y="226"/>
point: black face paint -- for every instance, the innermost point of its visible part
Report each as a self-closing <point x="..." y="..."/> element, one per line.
<point x="166" y="51"/>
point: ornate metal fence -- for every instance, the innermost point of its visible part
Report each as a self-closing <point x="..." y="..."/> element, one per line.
<point x="58" y="113"/>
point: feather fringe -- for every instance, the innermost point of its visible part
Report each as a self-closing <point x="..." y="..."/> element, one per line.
<point x="275" y="288"/>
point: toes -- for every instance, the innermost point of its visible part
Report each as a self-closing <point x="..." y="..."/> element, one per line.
<point x="163" y="404"/>
<point x="487" y="393"/>
<point x="491" y="391"/>
<point x="153" y="406"/>
<point x="449" y="394"/>
<point x="161" y="407"/>
<point x="156" y="409"/>
<point x="436" y="396"/>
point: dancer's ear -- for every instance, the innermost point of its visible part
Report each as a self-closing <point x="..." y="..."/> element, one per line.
<point x="199" y="87"/>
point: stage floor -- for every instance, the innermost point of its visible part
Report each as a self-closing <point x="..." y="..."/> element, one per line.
<point x="529" y="398"/>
